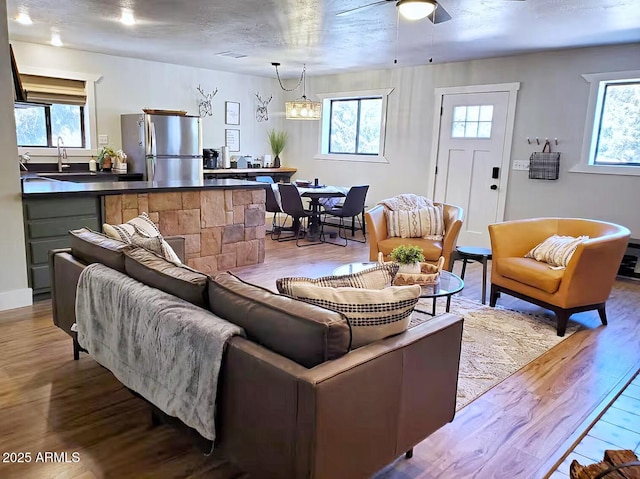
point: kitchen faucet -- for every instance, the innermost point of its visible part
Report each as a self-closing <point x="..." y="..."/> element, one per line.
<point x="62" y="154"/>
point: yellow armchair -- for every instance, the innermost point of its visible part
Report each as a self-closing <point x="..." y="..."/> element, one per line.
<point x="432" y="249"/>
<point x="586" y="282"/>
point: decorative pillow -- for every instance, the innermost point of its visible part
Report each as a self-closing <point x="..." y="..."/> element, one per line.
<point x="556" y="250"/>
<point x="427" y="223"/>
<point x="377" y="277"/>
<point x="141" y="226"/>
<point x="373" y="314"/>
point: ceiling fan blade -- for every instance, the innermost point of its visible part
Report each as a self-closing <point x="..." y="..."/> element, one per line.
<point x="351" y="10"/>
<point x="439" y="15"/>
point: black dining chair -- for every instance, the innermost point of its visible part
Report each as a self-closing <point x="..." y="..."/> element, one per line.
<point x="271" y="206"/>
<point x="351" y="208"/>
<point x="292" y="206"/>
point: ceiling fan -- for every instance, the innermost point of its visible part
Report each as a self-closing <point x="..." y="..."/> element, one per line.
<point x="412" y="9"/>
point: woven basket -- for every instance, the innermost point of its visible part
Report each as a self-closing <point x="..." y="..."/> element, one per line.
<point x="429" y="273"/>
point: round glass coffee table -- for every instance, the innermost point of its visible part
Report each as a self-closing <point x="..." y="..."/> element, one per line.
<point x="447" y="285"/>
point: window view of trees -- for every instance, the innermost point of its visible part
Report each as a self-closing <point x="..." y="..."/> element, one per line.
<point x="619" y="133"/>
<point x="41" y="125"/>
<point x="355" y="126"/>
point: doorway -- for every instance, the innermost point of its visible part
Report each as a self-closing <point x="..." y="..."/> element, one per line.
<point x="474" y="136"/>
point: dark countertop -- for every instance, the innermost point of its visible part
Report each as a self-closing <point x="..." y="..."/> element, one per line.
<point x="36" y="187"/>
<point x="256" y="171"/>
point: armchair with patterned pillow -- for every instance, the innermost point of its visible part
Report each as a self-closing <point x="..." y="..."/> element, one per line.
<point x="414" y="220"/>
<point x="566" y="265"/>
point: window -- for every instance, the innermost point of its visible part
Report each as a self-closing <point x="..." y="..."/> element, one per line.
<point x="57" y="104"/>
<point x="472" y="121"/>
<point x="612" y="130"/>
<point x="618" y="138"/>
<point x="353" y="126"/>
<point x="41" y="125"/>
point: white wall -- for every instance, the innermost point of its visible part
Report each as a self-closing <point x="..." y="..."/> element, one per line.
<point x="13" y="269"/>
<point x="128" y="85"/>
<point x="552" y="102"/>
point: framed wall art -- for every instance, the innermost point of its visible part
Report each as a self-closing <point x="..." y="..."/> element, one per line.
<point x="232" y="139"/>
<point x="231" y="113"/>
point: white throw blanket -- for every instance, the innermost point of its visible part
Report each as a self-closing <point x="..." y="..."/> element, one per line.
<point x="165" y="349"/>
<point x="407" y="201"/>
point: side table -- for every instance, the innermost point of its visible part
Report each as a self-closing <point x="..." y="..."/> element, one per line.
<point x="470" y="254"/>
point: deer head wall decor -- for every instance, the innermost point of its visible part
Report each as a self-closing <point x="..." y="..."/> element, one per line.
<point x="204" y="105"/>
<point x="262" y="114"/>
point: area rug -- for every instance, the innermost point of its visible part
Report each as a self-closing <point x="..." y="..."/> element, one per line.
<point x="496" y="342"/>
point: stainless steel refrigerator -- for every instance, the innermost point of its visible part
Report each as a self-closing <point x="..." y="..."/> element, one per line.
<point x="163" y="147"/>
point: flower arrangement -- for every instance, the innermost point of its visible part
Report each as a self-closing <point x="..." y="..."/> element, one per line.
<point x="404" y="254"/>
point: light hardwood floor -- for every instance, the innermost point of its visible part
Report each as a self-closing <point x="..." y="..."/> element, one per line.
<point x="519" y="429"/>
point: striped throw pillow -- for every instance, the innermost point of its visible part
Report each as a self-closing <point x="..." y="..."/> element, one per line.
<point x="372" y="314"/>
<point x="141" y="225"/>
<point x="377" y="277"/>
<point x="556" y="250"/>
<point x="427" y="223"/>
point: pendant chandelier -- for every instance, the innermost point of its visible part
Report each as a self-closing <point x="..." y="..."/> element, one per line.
<point x="302" y="108"/>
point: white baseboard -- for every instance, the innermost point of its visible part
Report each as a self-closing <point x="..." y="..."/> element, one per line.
<point x="16" y="299"/>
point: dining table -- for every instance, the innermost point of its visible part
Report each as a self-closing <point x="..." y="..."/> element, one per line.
<point x="318" y="196"/>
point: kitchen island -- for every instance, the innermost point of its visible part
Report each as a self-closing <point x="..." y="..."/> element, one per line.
<point x="222" y="220"/>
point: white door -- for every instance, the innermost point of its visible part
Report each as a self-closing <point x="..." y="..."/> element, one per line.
<point x="472" y="169"/>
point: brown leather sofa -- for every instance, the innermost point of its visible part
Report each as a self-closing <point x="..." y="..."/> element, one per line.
<point x="432" y="249"/>
<point x="586" y="282"/>
<point x="293" y="401"/>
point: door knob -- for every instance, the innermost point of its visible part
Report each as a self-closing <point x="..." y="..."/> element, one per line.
<point x="494" y="187"/>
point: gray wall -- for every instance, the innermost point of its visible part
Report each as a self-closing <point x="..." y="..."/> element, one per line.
<point x="552" y="102"/>
<point x="13" y="269"/>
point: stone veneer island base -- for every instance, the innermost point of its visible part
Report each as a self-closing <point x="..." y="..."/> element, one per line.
<point x="223" y="228"/>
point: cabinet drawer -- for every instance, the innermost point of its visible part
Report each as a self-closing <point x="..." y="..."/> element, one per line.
<point x="40" y="249"/>
<point x="61" y="207"/>
<point x="40" y="277"/>
<point x="61" y="226"/>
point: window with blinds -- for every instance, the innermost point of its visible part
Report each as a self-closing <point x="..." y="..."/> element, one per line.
<point x="53" y="110"/>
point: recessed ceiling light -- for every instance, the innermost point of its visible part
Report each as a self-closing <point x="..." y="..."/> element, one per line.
<point x="24" y="19"/>
<point x="55" y="40"/>
<point x="127" y="17"/>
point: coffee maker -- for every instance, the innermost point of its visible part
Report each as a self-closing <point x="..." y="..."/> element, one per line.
<point x="210" y="158"/>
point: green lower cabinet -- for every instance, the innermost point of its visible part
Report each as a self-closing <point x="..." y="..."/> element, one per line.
<point x="46" y="226"/>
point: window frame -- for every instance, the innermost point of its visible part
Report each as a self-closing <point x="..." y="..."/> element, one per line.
<point x="598" y="83"/>
<point x="325" y="125"/>
<point x="49" y="128"/>
<point x="89" y="123"/>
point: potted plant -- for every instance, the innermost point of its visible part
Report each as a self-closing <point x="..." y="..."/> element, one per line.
<point x="277" y="140"/>
<point x="409" y="257"/>
<point x="105" y="157"/>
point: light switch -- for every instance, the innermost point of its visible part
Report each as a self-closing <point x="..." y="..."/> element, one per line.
<point x="521" y="165"/>
<point x="103" y="139"/>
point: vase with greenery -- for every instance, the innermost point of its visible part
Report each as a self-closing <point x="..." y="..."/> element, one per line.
<point x="409" y="257"/>
<point x="277" y="140"/>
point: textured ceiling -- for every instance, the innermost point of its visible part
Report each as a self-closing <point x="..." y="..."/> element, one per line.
<point x="293" y="32"/>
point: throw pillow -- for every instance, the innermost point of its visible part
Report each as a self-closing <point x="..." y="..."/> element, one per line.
<point x="378" y="277"/>
<point x="373" y="314"/>
<point x="142" y="226"/>
<point x="427" y="223"/>
<point x="556" y="250"/>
